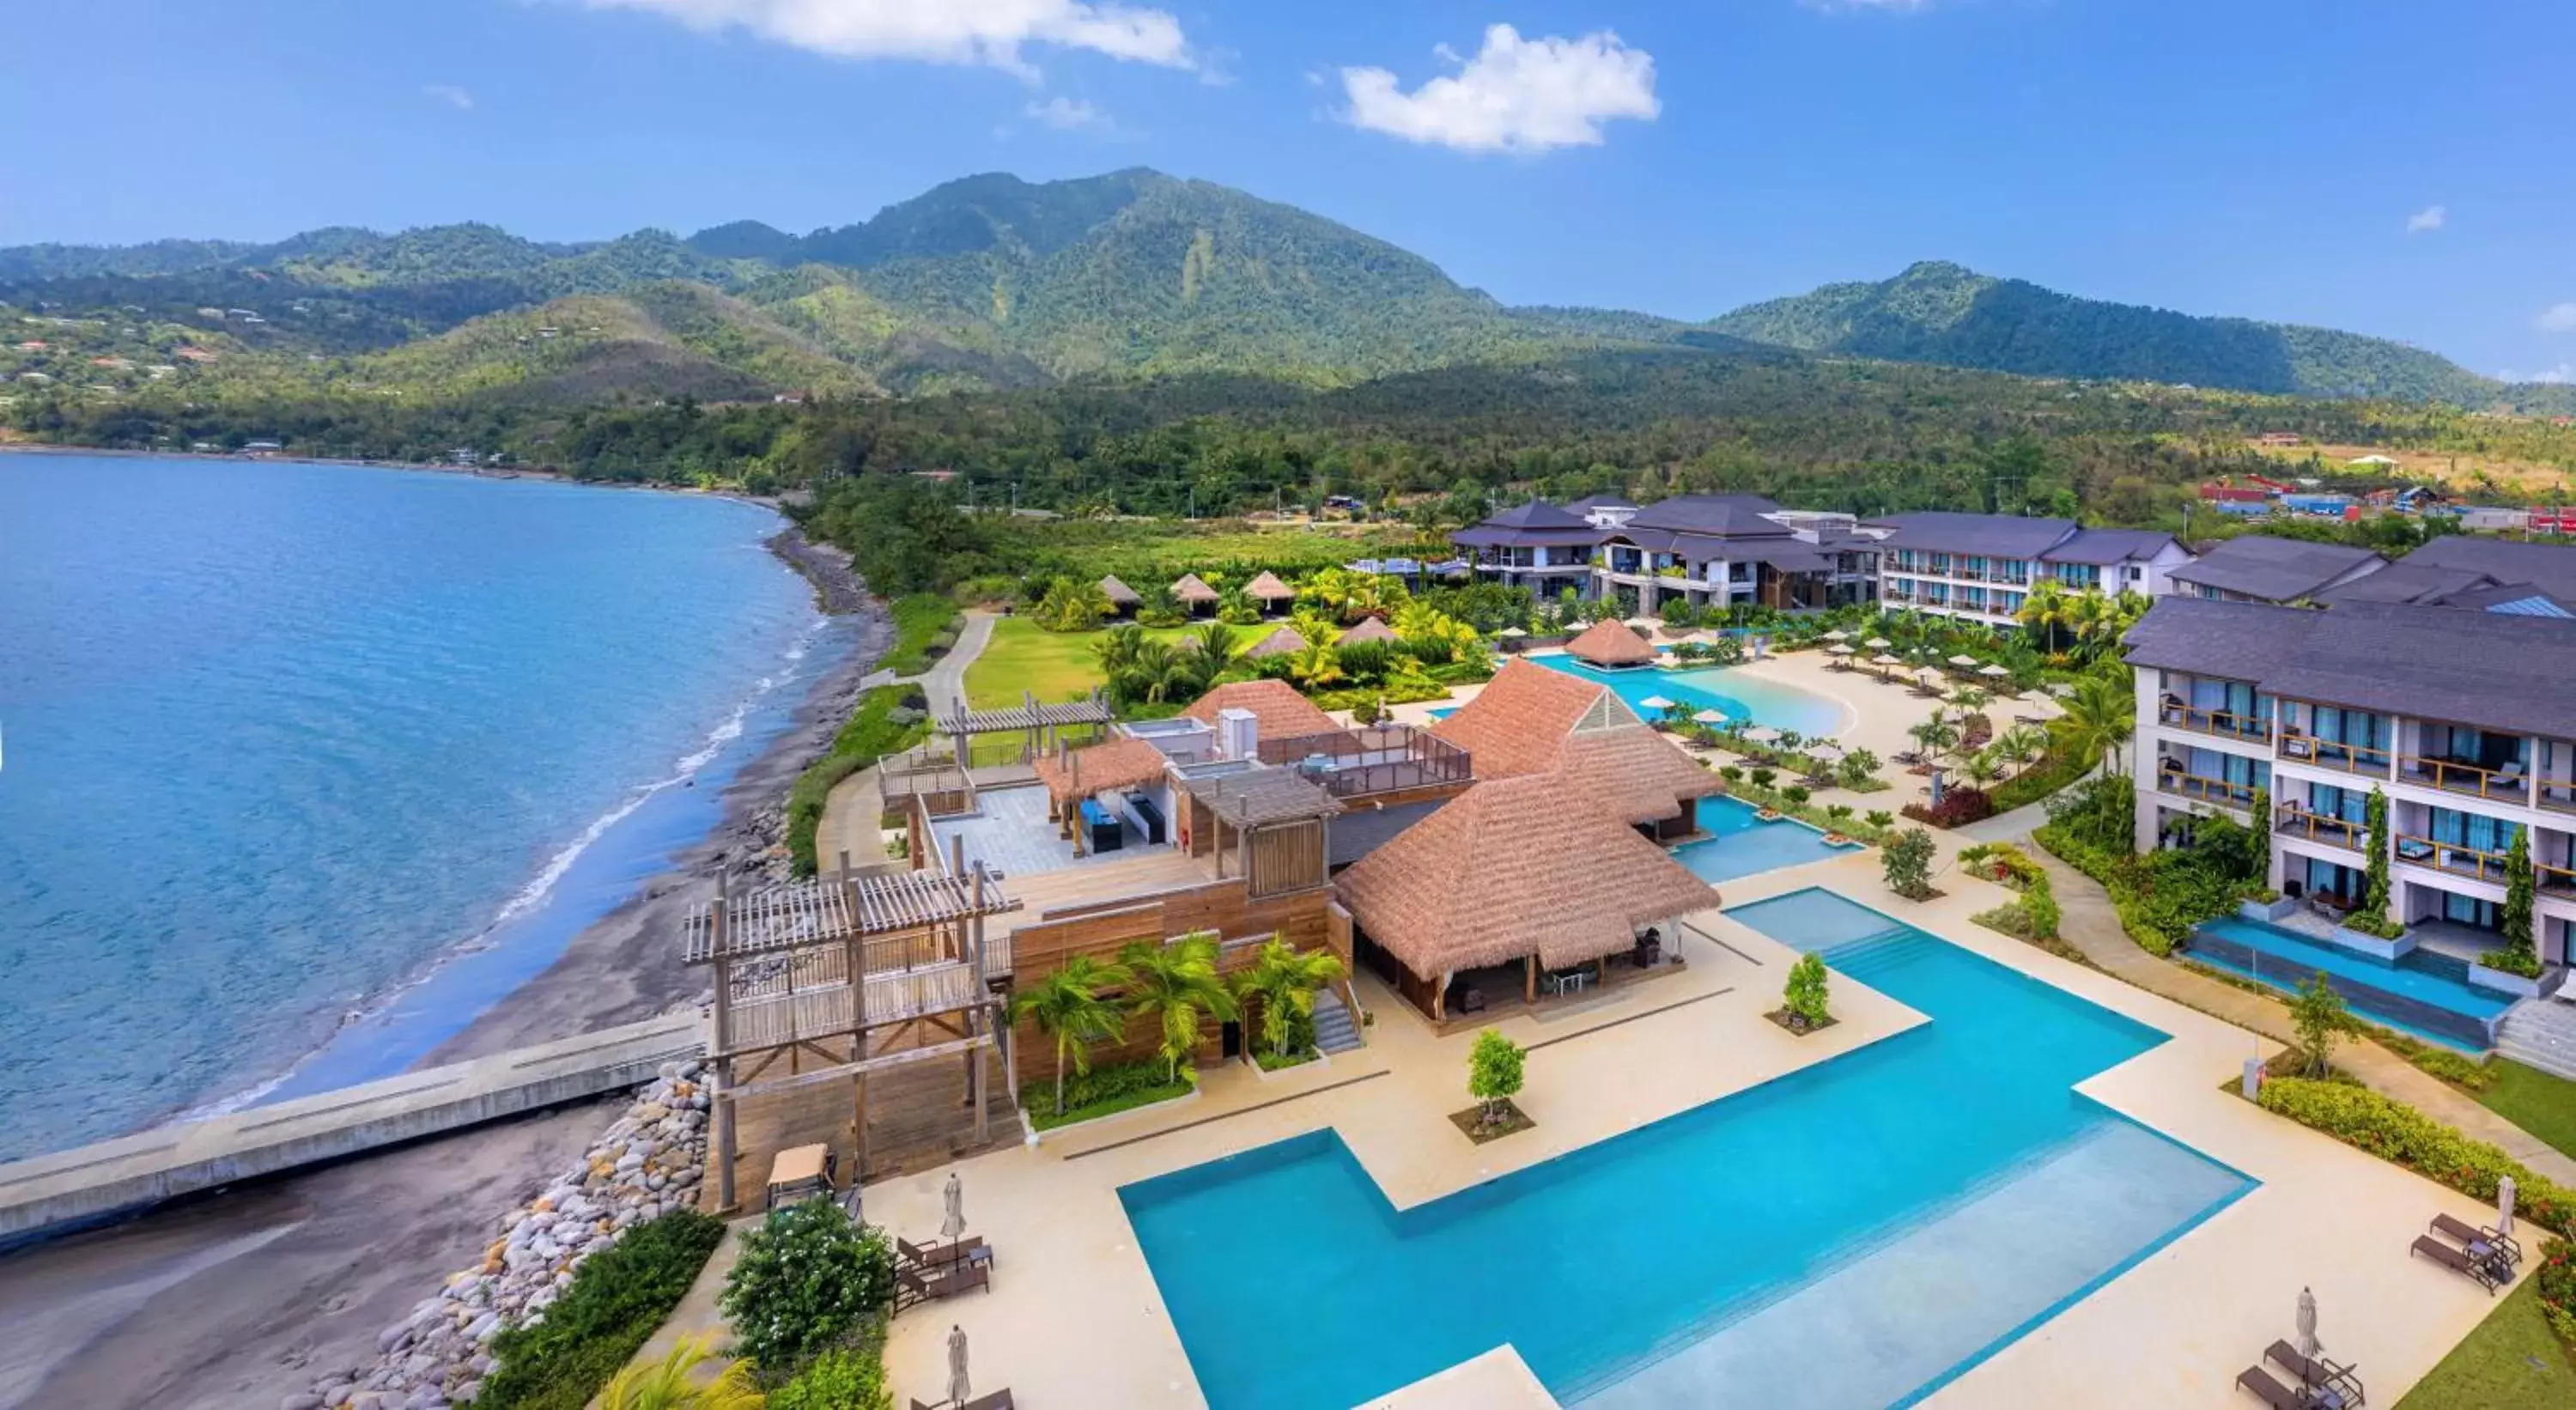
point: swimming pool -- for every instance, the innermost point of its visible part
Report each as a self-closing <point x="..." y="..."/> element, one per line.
<point x="1741" y="696"/>
<point x="2425" y="994"/>
<point x="1744" y="844"/>
<point x="1855" y="1234"/>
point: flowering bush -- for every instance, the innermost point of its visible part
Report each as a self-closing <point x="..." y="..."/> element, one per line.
<point x="1958" y="807"/>
<point x="2396" y="1132"/>
<point x="809" y="1276"/>
<point x="2557" y="1280"/>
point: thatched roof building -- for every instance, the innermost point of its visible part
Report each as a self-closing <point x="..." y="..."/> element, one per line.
<point x="1121" y="596"/>
<point x="1510" y="871"/>
<point x="1278" y="711"/>
<point x="1268" y="588"/>
<point x="1283" y="642"/>
<point x="1531" y="720"/>
<point x="1191" y="592"/>
<point x="1607" y="643"/>
<point x="1076" y="774"/>
<point x="1369" y="629"/>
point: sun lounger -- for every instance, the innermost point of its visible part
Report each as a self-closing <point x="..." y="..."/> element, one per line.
<point x="2266" y="1389"/>
<point x="2328" y="1386"/>
<point x="2458" y="1262"/>
<point x="2480" y="1243"/>
<point x="998" y="1400"/>
<point x="912" y="1288"/>
<point x="936" y="1258"/>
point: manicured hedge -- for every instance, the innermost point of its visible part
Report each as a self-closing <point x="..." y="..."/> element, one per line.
<point x="2397" y="1132"/>
<point x="616" y="1298"/>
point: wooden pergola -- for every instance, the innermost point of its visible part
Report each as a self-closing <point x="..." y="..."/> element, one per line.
<point x="1275" y="821"/>
<point x="785" y="959"/>
<point x="1044" y="726"/>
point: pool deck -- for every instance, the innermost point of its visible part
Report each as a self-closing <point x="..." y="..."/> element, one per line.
<point x="1075" y="1320"/>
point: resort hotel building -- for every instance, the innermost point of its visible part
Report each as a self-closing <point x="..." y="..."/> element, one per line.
<point x="2458" y="713"/>
<point x="1981" y="567"/>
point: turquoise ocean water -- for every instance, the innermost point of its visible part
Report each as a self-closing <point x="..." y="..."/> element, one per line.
<point x="288" y="743"/>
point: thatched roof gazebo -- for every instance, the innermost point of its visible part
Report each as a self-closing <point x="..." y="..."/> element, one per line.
<point x="1269" y="591"/>
<point x="1283" y="642"/>
<point x="1512" y="872"/>
<point x="1608" y="643"/>
<point x="1193" y="594"/>
<point x="1369" y="629"/>
<point x="1123" y="599"/>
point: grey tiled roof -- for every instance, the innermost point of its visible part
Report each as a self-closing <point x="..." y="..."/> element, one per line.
<point x="2108" y="546"/>
<point x="2271" y="568"/>
<point x="2403" y="581"/>
<point x="1537" y="514"/>
<point x="1989" y="535"/>
<point x="1600" y="501"/>
<point x="2493" y="670"/>
<point x="2552" y="566"/>
<point x="1713" y="515"/>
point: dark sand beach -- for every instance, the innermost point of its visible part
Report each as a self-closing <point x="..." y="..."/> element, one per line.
<point x="244" y="1297"/>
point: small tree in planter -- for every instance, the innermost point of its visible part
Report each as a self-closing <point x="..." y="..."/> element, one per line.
<point x="2319" y="1016"/>
<point x="1494" y="1078"/>
<point x="1907" y="859"/>
<point x="1802" y="1002"/>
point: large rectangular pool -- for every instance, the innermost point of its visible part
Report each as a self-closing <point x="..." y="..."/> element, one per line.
<point x="1855" y="1234"/>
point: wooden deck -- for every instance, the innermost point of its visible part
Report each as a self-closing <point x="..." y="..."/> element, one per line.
<point x="1159" y="869"/>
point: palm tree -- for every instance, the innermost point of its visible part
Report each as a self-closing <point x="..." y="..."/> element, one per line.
<point x="668" y="1384"/>
<point x="1218" y="645"/>
<point x="1938" y="735"/>
<point x="1320" y="664"/>
<point x="2101" y="713"/>
<point x="2021" y="742"/>
<point x="2044" y="610"/>
<point x="1067" y="1006"/>
<point x="1284" y="981"/>
<point x="1176" y="985"/>
<point x="1117" y="648"/>
<point x="1982" y="768"/>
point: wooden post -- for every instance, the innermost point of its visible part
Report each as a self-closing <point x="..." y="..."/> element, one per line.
<point x="975" y="1016"/>
<point x="1529" y="979"/>
<point x="720" y="1042"/>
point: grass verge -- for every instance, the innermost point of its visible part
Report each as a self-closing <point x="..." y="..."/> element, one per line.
<point x="2511" y="1362"/>
<point x="919" y="622"/>
<point x="888" y="720"/>
<point x="2534" y="1100"/>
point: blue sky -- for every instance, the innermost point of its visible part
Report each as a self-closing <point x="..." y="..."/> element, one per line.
<point x="2397" y="169"/>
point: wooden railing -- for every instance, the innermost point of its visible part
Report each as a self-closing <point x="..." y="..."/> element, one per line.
<point x="2558" y="795"/>
<point x="2226" y="724"/>
<point x="2290" y="820"/>
<point x="2452" y="776"/>
<point x="2557" y="881"/>
<point x="2214" y="790"/>
<point x="2450" y="857"/>
<point x="2333" y="754"/>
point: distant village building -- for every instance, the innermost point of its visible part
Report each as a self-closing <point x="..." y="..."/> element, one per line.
<point x="2278" y="438"/>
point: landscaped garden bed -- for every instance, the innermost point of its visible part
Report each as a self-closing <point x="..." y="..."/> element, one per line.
<point x="1482" y="1124"/>
<point x="1107" y="1090"/>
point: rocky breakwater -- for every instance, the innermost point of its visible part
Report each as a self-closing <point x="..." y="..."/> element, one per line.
<point x="645" y="1165"/>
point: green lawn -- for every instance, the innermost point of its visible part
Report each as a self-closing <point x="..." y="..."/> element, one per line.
<point x="2511" y="1362"/>
<point x="2541" y="1104"/>
<point x="1053" y="665"/>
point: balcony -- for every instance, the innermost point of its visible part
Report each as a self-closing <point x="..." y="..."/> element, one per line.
<point x="2558" y="795"/>
<point x="2291" y="820"/>
<point x="2332" y="754"/>
<point x="2553" y="881"/>
<point x="2451" y="857"/>
<point x="2226" y="724"/>
<point x="2506" y="785"/>
<point x="2171" y="778"/>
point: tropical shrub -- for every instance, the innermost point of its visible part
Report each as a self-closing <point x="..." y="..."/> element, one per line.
<point x="1103" y="1091"/>
<point x="1176" y="985"/>
<point x="809" y="1277"/>
<point x="845" y="1378"/>
<point x="1880" y="818"/>
<point x="672" y="1384"/>
<point x="1958" y="807"/>
<point x="1804" y="996"/>
<point x="616" y="1298"/>
<point x="2396" y="1132"/>
<point x="2556" y="1279"/>
<point x="1072" y="1007"/>
<point x="1283" y="981"/>
<point x="2319" y="1016"/>
<point x="1907" y="861"/>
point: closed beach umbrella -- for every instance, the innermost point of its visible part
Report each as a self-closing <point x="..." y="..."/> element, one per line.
<point x="1654" y="702"/>
<point x="1878" y="643"/>
<point x="952" y="1226"/>
<point x="2309" y="1346"/>
<point x="2504" y="1206"/>
<point x="1710" y="717"/>
<point x="958" y="1390"/>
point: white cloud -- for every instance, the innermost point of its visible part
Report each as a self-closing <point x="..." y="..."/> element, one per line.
<point x="2429" y="218"/>
<point x="449" y="94"/>
<point x="938" y="31"/>
<point x="2563" y="372"/>
<point x="1067" y="114"/>
<point x="2557" y="318"/>
<point x="1515" y="95"/>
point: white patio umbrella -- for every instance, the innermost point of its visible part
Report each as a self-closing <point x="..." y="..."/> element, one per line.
<point x="1654" y="702"/>
<point x="1762" y="734"/>
<point x="1839" y="649"/>
<point x="958" y="1390"/>
<point x="1883" y="659"/>
<point x="1994" y="672"/>
<point x="1710" y="717"/>
<point x="1963" y="661"/>
<point x="1511" y="631"/>
<point x="1825" y="749"/>
<point x="2309" y="1346"/>
<point x="2504" y="1207"/>
<point x="2061" y="690"/>
<point x="952" y="1224"/>
<point x="1838" y="634"/>
<point x="1878" y="643"/>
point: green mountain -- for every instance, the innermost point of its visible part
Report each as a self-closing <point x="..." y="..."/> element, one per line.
<point x="991" y="282"/>
<point x="1943" y="313"/>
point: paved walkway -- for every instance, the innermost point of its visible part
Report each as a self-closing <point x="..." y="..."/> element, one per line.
<point x="945" y="682"/>
<point x="2087" y="921"/>
<point x="850" y="814"/>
